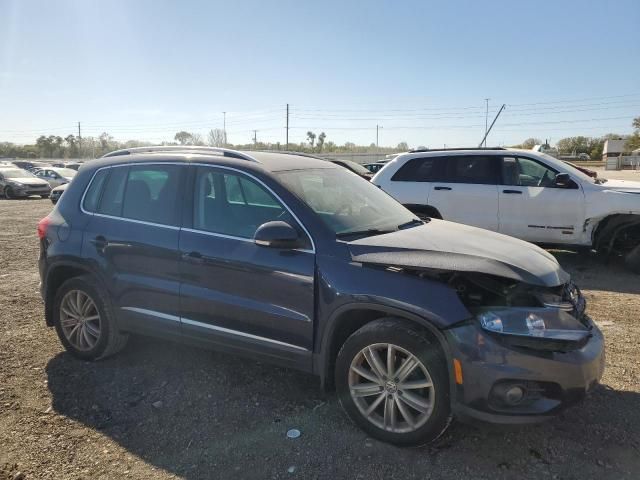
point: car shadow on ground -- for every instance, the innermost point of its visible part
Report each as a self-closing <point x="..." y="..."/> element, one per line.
<point x="199" y="414"/>
<point x="591" y="271"/>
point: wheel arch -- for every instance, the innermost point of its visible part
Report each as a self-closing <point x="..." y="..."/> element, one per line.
<point x="346" y="319"/>
<point x="56" y="276"/>
<point x="609" y="228"/>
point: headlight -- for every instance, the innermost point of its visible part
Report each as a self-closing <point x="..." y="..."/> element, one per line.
<point x="533" y="324"/>
<point x="16" y="185"/>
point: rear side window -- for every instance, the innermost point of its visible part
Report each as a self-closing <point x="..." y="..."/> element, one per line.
<point x="111" y="201"/>
<point x="417" y="170"/>
<point x="151" y="194"/>
<point x="475" y="169"/>
<point x="92" y="196"/>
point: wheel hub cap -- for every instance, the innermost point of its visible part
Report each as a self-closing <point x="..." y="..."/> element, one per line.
<point x="80" y="320"/>
<point x="391" y="388"/>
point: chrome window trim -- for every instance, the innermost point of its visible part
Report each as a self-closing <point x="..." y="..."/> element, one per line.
<point x="172" y="227"/>
<point x="175" y="318"/>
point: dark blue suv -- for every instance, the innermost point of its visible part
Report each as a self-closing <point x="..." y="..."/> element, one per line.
<point x="299" y="262"/>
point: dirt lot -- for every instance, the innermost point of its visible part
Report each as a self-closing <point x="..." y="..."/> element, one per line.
<point x="221" y="417"/>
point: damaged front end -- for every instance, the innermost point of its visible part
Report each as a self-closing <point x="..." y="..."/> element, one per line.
<point x="518" y="314"/>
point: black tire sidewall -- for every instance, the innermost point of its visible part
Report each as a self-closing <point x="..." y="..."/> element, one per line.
<point x="632" y="259"/>
<point x="405" y="335"/>
<point x="8" y="193"/>
<point x="86" y="285"/>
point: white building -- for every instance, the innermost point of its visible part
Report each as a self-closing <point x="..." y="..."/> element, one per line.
<point x="613" y="148"/>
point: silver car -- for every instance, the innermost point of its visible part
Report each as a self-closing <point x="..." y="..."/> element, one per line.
<point x="15" y="182"/>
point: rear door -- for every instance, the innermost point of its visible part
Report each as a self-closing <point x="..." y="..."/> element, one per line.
<point x="236" y="294"/>
<point x="533" y="208"/>
<point x="467" y="191"/>
<point x="132" y="238"/>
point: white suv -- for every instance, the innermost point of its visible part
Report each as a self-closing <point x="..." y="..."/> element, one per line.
<point x="526" y="194"/>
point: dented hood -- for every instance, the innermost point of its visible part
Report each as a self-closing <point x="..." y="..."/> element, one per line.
<point x="443" y="245"/>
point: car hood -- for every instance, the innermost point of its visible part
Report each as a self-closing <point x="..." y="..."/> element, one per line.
<point x="442" y="245"/>
<point x="29" y="181"/>
<point x="622" y="186"/>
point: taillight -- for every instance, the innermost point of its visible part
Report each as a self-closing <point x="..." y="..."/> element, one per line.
<point x="43" y="225"/>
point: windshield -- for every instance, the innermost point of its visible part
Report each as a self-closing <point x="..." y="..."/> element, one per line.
<point x="16" y="173"/>
<point x="65" y="172"/>
<point x="356" y="167"/>
<point x="345" y="202"/>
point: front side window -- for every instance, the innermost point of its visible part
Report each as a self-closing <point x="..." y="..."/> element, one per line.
<point x="233" y="204"/>
<point x="344" y="202"/>
<point x="525" y="172"/>
<point x="474" y="169"/>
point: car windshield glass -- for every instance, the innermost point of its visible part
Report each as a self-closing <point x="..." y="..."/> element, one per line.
<point x="15" y="173"/>
<point x="66" y="172"/>
<point x="346" y="203"/>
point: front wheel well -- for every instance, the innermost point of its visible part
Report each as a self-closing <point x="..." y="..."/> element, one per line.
<point x="56" y="277"/>
<point x="348" y="322"/>
<point x="617" y="233"/>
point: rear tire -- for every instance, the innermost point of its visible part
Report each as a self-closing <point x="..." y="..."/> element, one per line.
<point x="632" y="259"/>
<point x="85" y="321"/>
<point x="385" y="401"/>
<point x="44" y="196"/>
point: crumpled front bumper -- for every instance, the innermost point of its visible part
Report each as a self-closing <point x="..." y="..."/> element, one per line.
<point x="553" y="380"/>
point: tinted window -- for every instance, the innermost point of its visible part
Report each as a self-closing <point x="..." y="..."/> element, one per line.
<point x="471" y="169"/>
<point x="233" y="205"/>
<point x="417" y="170"/>
<point x="526" y="172"/>
<point x="92" y="196"/>
<point x="151" y="194"/>
<point x="111" y="201"/>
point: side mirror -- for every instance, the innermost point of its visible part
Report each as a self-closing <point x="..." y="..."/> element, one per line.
<point x="277" y="234"/>
<point x="562" y="180"/>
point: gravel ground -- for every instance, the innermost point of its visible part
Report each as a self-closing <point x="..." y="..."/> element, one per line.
<point x="162" y="410"/>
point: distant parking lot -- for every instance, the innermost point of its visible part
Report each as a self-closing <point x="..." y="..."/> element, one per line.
<point x="161" y="410"/>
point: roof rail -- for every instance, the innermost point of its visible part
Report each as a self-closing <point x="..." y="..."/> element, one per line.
<point x="226" y="152"/>
<point x="454" y="149"/>
<point x="290" y="152"/>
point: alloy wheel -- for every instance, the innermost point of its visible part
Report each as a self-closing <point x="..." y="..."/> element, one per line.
<point x="391" y="388"/>
<point x="80" y="320"/>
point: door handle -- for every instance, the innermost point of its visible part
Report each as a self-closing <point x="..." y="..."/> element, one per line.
<point x="100" y="243"/>
<point x="518" y="192"/>
<point x="442" y="188"/>
<point x="193" y="257"/>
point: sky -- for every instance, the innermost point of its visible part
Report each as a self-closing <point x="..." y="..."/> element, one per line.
<point x="420" y="70"/>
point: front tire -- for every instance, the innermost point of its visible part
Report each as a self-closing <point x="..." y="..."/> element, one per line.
<point x="8" y="193"/>
<point x="44" y="196"/>
<point x="392" y="381"/>
<point x="84" y="320"/>
<point x="632" y="259"/>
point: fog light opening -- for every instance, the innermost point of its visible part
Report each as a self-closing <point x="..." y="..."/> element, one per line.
<point x="514" y="395"/>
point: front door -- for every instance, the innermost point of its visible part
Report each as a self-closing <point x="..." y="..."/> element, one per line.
<point x="533" y="208"/>
<point x="234" y="293"/>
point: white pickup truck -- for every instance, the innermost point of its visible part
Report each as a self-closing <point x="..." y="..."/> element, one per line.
<point x="525" y="194"/>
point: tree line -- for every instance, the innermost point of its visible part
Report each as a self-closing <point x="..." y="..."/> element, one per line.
<point x="72" y="146"/>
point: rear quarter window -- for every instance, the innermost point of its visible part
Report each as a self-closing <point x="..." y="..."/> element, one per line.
<point x="417" y="170"/>
<point x="92" y="196"/>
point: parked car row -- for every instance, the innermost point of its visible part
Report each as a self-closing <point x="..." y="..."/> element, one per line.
<point x="299" y="262"/>
<point x="525" y="194"/>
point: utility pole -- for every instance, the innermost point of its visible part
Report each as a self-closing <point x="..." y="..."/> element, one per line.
<point x="79" y="141"/>
<point x="484" y="140"/>
<point x="224" y="127"/>
<point x="378" y="127"/>
<point x="255" y="137"/>
<point x="286" y="146"/>
<point x="486" y="121"/>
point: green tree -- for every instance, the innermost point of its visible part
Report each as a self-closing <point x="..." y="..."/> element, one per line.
<point x="311" y="137"/>
<point x="321" y="139"/>
<point x="634" y="139"/>
<point x="182" y="137"/>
